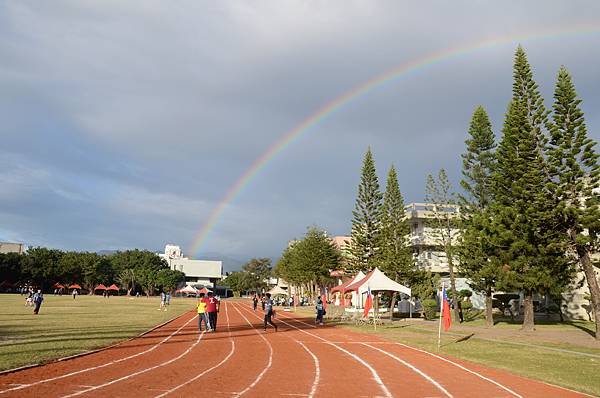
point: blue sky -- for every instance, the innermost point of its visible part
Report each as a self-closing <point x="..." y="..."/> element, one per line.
<point x="124" y="123"/>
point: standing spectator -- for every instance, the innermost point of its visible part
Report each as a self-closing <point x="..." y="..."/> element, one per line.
<point x="162" y="301"/>
<point x="212" y="308"/>
<point x="320" y="311"/>
<point x="29" y="299"/>
<point x="255" y="302"/>
<point x="167" y="299"/>
<point x="269" y="312"/>
<point x="75" y="293"/>
<point x="38" y="298"/>
<point x="202" y="315"/>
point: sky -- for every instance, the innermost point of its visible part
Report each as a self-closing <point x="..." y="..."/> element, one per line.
<point x="125" y="124"/>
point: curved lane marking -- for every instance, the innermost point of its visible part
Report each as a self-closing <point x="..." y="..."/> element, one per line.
<point x="317" y="379"/>
<point x="22" y="386"/>
<point x="129" y="376"/>
<point x="374" y="373"/>
<point x="463" y="368"/>
<point x="255" y="382"/>
<point x="209" y="369"/>
<point x="415" y="369"/>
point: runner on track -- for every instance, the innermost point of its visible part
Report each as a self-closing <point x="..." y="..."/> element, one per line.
<point x="255" y="301"/>
<point x="202" y="315"/>
<point x="212" y="308"/>
<point x="320" y="311"/>
<point x="269" y="312"/>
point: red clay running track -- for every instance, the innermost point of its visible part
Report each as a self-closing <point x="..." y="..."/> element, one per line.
<point x="240" y="359"/>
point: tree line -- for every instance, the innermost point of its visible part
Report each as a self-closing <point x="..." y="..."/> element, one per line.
<point x="531" y="218"/>
<point x="132" y="270"/>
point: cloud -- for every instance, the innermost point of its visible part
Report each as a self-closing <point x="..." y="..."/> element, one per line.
<point x="125" y="123"/>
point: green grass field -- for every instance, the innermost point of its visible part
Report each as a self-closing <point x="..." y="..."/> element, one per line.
<point x="65" y="326"/>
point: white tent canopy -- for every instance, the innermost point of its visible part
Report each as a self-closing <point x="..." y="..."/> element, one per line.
<point x="377" y="281"/>
<point x="188" y="289"/>
<point x="278" y="290"/>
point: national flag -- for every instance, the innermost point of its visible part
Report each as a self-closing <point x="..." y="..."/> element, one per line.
<point x="446" y="317"/>
<point x="368" y="302"/>
<point x="324" y="299"/>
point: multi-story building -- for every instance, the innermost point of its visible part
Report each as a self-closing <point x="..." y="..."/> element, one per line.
<point x="197" y="272"/>
<point x="426" y="237"/>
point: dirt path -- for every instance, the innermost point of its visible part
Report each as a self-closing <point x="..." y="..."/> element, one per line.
<point x="300" y="360"/>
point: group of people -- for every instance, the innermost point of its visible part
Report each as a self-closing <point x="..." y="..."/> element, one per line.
<point x="208" y="309"/>
<point x="34" y="299"/>
<point x="165" y="300"/>
<point x="267" y="306"/>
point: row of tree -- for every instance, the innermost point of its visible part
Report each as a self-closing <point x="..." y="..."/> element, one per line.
<point x="254" y="276"/>
<point x="528" y="216"/>
<point x="132" y="270"/>
<point x="531" y="218"/>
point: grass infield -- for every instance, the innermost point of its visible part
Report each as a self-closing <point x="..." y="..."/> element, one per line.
<point x="66" y="326"/>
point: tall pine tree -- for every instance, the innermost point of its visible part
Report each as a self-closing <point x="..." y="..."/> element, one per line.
<point x="365" y="245"/>
<point x="396" y="258"/>
<point x="574" y="165"/>
<point x="475" y="251"/>
<point x="523" y="210"/>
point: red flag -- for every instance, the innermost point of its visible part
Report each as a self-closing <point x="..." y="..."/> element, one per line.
<point x="368" y="302"/>
<point x="446" y="318"/>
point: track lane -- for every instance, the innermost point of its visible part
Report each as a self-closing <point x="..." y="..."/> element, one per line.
<point x="70" y="375"/>
<point x="460" y="378"/>
<point x="374" y="376"/>
<point x="305" y="376"/>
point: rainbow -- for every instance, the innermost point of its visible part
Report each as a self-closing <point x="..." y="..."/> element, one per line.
<point x="359" y="90"/>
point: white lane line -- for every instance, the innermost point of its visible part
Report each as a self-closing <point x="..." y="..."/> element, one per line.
<point x="317" y="379"/>
<point x="99" y="366"/>
<point x="463" y="368"/>
<point x="129" y="376"/>
<point x="167" y="392"/>
<point x="268" y="364"/>
<point x="415" y="369"/>
<point x="374" y="373"/>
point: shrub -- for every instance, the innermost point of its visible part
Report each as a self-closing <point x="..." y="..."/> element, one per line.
<point x="465" y="293"/>
<point x="429" y="308"/>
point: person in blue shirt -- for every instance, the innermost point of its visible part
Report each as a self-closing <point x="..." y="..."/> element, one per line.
<point x="269" y="312"/>
<point x="320" y="311"/>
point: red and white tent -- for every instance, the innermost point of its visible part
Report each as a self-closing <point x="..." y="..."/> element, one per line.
<point x="377" y="281"/>
<point x="100" y="287"/>
<point x="343" y="288"/>
<point x="187" y="290"/>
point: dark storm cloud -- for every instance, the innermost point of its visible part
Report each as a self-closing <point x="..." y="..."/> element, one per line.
<point x="124" y="123"/>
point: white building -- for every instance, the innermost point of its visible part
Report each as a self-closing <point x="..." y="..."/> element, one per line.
<point x="197" y="272"/>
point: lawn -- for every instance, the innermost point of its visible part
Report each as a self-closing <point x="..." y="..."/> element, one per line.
<point x="66" y="326"/>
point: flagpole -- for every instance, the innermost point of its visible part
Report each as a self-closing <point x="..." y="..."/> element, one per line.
<point x="440" y="321"/>
<point x="375" y="310"/>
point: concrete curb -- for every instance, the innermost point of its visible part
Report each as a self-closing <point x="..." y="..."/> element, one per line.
<point x="82" y="354"/>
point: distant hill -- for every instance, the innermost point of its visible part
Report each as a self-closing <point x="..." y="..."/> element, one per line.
<point x="106" y="252"/>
